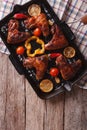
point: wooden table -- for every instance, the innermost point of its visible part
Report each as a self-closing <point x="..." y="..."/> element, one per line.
<point x="21" y="109"/>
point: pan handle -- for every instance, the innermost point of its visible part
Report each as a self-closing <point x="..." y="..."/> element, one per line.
<point x="67" y="86"/>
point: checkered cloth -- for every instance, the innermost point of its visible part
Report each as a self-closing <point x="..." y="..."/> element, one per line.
<point x="67" y="10"/>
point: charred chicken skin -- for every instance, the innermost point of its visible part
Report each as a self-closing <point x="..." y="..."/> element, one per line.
<point x="39" y="21"/>
<point x="15" y="36"/>
<point x="58" y="40"/>
<point x="40" y="63"/>
<point x="67" y="70"/>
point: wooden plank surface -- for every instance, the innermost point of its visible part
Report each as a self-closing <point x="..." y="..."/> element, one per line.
<point x="22" y="109"/>
<point x="75" y="112"/>
<point x="12" y="97"/>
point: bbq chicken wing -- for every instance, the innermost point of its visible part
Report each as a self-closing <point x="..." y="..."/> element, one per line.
<point x="12" y="25"/>
<point x="38" y="21"/>
<point x="67" y="70"/>
<point x="40" y="63"/>
<point x="58" y="40"/>
<point x="15" y="36"/>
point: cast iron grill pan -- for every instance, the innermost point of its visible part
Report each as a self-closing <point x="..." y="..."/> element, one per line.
<point x="17" y="60"/>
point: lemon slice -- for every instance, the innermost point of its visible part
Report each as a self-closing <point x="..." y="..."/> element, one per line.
<point x="69" y="52"/>
<point x="46" y="85"/>
<point x="34" y="10"/>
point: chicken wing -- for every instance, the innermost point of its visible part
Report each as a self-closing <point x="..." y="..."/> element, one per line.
<point x="13" y="24"/>
<point x="40" y="63"/>
<point x="15" y="36"/>
<point x="68" y="71"/>
<point x="38" y="21"/>
<point x="58" y="40"/>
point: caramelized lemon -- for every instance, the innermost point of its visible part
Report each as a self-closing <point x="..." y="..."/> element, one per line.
<point x="46" y="85"/>
<point x="69" y="52"/>
<point x="34" y="10"/>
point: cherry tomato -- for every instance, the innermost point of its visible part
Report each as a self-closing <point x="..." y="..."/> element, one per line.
<point x="37" y="32"/>
<point x="20" y="50"/>
<point x="54" y="72"/>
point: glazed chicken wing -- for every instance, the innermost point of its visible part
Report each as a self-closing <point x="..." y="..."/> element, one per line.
<point x="58" y="40"/>
<point x="38" y="21"/>
<point x="15" y="36"/>
<point x="40" y="63"/>
<point x="67" y="70"/>
<point x="12" y="25"/>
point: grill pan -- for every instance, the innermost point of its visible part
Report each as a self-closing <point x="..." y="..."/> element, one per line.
<point x="17" y="60"/>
